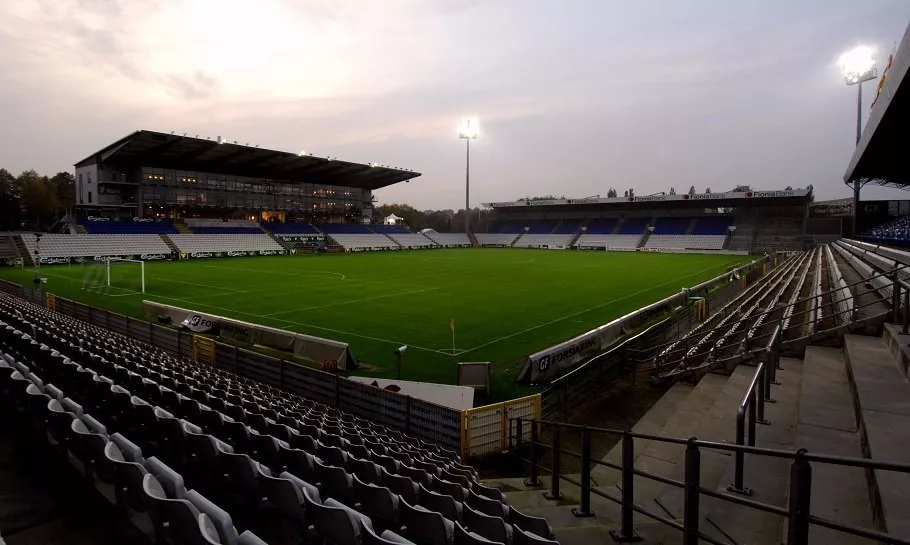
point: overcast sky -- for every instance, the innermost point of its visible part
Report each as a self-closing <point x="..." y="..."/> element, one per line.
<point x="573" y="96"/>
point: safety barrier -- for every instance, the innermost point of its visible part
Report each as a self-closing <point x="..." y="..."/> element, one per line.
<point x="487" y="430"/>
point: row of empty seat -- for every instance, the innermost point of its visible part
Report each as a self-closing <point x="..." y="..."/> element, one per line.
<point x="257" y="450"/>
<point x="686" y="242"/>
<point x="63" y="246"/>
<point x="197" y="243"/>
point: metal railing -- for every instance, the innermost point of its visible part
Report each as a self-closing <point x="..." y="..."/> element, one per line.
<point x="797" y="511"/>
<point x="757" y="394"/>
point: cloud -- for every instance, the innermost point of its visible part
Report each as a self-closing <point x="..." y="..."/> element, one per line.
<point x="571" y="101"/>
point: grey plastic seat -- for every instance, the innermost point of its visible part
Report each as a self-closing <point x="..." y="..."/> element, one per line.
<point x="170" y="480"/>
<point x="249" y="538"/>
<point x="486" y="505"/>
<point x="127" y="475"/>
<point x="86" y="444"/>
<point x="521" y="537"/>
<point x="455" y="477"/>
<point x="219" y="518"/>
<point x="379" y="503"/>
<point x="366" y="470"/>
<point x="387" y="537"/>
<point x="334" y="524"/>
<point x="332" y="455"/>
<point x="401" y="485"/>
<point x="416" y="475"/>
<point x="336" y="483"/>
<point x="287" y="498"/>
<point x="386" y="462"/>
<point x="492" y="528"/>
<point x="464" y="537"/>
<point x="488" y="492"/>
<point x="426" y="527"/>
<point x="299" y="462"/>
<point x="443" y="504"/>
<point x="265" y="450"/>
<point x="448" y="488"/>
<point x="534" y="525"/>
<point x="303" y="442"/>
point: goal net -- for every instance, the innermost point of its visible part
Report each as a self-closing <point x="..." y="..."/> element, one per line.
<point x="114" y="276"/>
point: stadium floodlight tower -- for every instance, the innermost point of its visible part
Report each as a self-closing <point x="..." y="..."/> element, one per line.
<point x="858" y="66"/>
<point x="468" y="130"/>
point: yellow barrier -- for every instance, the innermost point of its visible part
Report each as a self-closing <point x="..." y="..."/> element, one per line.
<point x="701" y="310"/>
<point x="50" y="301"/>
<point x="203" y="350"/>
<point x="485" y="430"/>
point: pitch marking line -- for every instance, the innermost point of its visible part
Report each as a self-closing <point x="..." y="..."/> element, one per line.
<point x="566" y="317"/>
<point x="340" y="303"/>
<point x="339" y="275"/>
<point x="387" y="341"/>
<point x="199" y="285"/>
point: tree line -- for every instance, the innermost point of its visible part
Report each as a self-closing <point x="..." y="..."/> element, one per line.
<point x="443" y="221"/>
<point x="33" y="201"/>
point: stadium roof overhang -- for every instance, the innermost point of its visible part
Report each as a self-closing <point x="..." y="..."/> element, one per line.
<point x="731" y="199"/>
<point x="881" y="156"/>
<point x="159" y="150"/>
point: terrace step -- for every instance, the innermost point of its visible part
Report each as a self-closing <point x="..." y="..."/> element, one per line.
<point x="766" y="477"/>
<point x="827" y="423"/>
<point x="651" y="423"/>
<point x="881" y="396"/>
<point x="664" y="459"/>
<point x="718" y="424"/>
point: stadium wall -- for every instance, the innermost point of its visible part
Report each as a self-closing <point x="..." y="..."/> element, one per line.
<point x="312" y="348"/>
<point x="550" y="362"/>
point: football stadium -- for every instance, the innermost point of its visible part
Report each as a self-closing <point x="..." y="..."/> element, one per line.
<point x="227" y="344"/>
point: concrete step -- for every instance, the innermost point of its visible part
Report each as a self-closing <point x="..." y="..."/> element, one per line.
<point x="882" y="400"/>
<point x="765" y="477"/>
<point x="660" y="458"/>
<point x="899" y="344"/>
<point x="572" y="530"/>
<point x="827" y="423"/>
<point x="651" y="423"/>
<point x="718" y="424"/>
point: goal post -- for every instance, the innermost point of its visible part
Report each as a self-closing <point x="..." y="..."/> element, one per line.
<point x="114" y="276"/>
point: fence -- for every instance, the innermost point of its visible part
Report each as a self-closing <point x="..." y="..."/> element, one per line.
<point x="487" y="430"/>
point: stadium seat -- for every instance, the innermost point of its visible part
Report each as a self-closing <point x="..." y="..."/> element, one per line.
<point x="168" y="417"/>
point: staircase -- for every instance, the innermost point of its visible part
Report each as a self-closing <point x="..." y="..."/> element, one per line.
<point x="691" y="226"/>
<point x="644" y="238"/>
<point x="170" y="243"/>
<point x="22" y="251"/>
<point x="182" y="227"/>
<point x="514" y="242"/>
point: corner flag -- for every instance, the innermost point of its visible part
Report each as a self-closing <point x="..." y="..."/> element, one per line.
<point x="452" y="327"/>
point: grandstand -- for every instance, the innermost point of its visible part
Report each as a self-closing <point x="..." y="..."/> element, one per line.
<point x="215" y="444"/>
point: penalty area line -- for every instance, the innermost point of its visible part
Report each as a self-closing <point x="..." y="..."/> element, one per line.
<point x="312" y="326"/>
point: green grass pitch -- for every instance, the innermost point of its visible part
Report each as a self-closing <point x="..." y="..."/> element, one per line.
<point x="506" y="303"/>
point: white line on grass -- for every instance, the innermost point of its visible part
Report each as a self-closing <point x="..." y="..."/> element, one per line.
<point x="387" y="341"/>
<point x="198" y="285"/>
<point x="313" y="273"/>
<point x="580" y="312"/>
<point x="386" y="296"/>
<point x="333" y="273"/>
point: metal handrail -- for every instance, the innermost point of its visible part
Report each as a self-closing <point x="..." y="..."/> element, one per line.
<point x="799" y="496"/>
